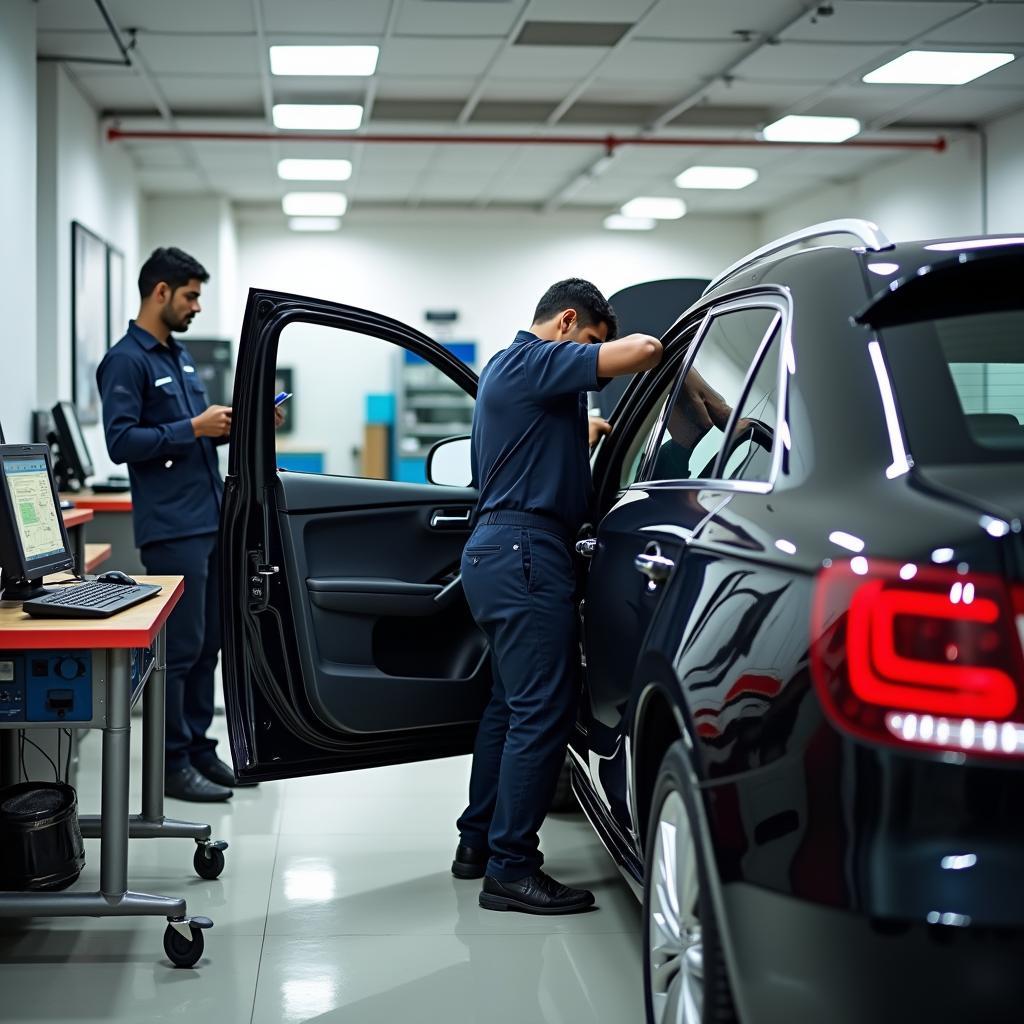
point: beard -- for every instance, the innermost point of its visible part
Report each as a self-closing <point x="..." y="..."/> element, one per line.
<point x="174" y="322"/>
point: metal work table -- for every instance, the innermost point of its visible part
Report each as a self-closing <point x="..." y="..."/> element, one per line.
<point x="123" y="658"/>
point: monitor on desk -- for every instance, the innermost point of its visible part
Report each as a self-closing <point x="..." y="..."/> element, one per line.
<point x="33" y="540"/>
<point x="74" y="460"/>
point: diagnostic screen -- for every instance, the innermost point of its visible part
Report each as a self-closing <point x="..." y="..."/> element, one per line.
<point x="81" y="447"/>
<point x="35" y="512"/>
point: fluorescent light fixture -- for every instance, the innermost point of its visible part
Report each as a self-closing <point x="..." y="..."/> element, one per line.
<point x="717" y="177"/>
<point x="314" y="170"/>
<point x="617" y="222"/>
<point x="342" y="117"/>
<point x="314" y="204"/>
<point x="656" y="207"/>
<point x="936" y="67"/>
<point x="324" y="60"/>
<point x="804" y="128"/>
<point x="314" y="223"/>
<point x="975" y="243"/>
<point x="847" y="540"/>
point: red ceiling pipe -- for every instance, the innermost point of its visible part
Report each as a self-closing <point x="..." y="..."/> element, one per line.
<point x="609" y="142"/>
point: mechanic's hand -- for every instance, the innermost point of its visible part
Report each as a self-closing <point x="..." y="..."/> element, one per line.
<point x="213" y="422"/>
<point x="598" y="428"/>
<point x="278" y="417"/>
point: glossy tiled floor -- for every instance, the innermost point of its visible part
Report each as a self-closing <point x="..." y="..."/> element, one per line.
<point x="336" y="906"/>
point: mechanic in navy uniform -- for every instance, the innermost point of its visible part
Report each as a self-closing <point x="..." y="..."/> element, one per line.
<point x="531" y="461"/>
<point x="157" y="420"/>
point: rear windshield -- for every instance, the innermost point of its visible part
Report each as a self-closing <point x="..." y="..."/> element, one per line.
<point x="960" y="385"/>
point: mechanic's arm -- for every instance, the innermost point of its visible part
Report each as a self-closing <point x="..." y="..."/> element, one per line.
<point x="631" y="354"/>
<point x="122" y="383"/>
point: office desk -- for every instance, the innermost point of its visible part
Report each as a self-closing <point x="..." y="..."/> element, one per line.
<point x="95" y="556"/>
<point x="113" y="662"/>
<point x="113" y="522"/>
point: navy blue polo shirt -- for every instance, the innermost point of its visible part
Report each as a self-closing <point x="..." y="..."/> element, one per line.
<point x="150" y="394"/>
<point x="531" y="448"/>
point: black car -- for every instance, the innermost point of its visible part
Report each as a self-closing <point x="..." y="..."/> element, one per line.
<point x="801" y="726"/>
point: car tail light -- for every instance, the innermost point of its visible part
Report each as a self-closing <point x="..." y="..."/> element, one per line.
<point x="920" y="654"/>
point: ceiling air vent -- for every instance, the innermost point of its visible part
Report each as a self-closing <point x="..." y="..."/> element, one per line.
<point x="572" y="33"/>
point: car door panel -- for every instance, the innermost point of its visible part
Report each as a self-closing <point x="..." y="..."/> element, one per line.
<point x="348" y="642"/>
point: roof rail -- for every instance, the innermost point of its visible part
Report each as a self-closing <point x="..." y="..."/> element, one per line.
<point x="869" y="233"/>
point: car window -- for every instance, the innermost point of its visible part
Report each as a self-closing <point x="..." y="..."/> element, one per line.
<point x="634" y="456"/>
<point x="695" y="424"/>
<point x="362" y="406"/>
<point x="748" y="453"/>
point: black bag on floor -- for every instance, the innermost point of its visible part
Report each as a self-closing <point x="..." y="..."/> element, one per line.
<point x="40" y="839"/>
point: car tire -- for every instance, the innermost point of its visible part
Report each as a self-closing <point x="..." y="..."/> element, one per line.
<point x="564" y="800"/>
<point x="688" y="964"/>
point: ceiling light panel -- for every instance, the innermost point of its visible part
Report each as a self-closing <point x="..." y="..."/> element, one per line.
<point x="333" y="61"/>
<point x="656" y="207"/>
<point x="314" y="204"/>
<point x="618" y="222"/>
<point x="804" y="128"/>
<point x="572" y="33"/>
<point x="318" y="116"/>
<point x="936" y="67"/>
<point x="717" y="177"/>
<point x="314" y="223"/>
<point x="314" y="170"/>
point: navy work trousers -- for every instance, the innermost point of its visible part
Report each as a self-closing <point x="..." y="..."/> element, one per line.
<point x="520" y="586"/>
<point x="193" y="643"/>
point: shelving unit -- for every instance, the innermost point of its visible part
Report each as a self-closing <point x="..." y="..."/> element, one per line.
<point x="429" y="408"/>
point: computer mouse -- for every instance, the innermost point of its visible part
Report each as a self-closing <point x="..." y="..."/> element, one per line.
<point x="116" y="576"/>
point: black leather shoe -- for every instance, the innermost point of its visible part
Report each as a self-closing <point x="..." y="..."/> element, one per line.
<point x="470" y="862"/>
<point x="535" y="894"/>
<point x="223" y="774"/>
<point x="187" y="784"/>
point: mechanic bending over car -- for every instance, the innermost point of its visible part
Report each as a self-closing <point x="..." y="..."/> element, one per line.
<point x="531" y="462"/>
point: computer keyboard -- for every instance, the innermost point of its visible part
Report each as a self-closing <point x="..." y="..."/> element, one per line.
<point x="93" y="600"/>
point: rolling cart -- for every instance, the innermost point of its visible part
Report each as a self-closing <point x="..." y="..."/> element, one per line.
<point x="88" y="674"/>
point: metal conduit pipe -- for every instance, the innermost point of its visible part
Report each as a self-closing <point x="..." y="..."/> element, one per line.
<point x="610" y="143"/>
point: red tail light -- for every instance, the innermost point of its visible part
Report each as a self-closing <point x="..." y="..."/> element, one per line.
<point x="923" y="655"/>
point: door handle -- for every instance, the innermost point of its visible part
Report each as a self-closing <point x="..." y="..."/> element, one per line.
<point x="586" y="547"/>
<point x="653" y="564"/>
<point x="443" y="519"/>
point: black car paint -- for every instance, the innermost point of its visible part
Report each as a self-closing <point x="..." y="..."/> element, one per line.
<point x="826" y="850"/>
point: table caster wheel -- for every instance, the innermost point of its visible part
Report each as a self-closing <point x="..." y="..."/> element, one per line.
<point x="181" y="951"/>
<point x="208" y="861"/>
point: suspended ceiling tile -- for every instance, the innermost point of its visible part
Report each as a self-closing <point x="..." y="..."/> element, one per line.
<point x="243" y="155"/>
<point x="744" y="93"/>
<point x="547" y="62"/>
<point x="163" y="156"/>
<point x="708" y="116"/>
<point x="434" y="87"/>
<point x="222" y="54"/>
<point x="803" y="62"/>
<point x="880" y="21"/>
<point x="586" y="112"/>
<point x="955" y="106"/>
<point x="512" y="112"/>
<point x="664" y="91"/>
<point x="639" y="60"/>
<point x="213" y="93"/>
<point x="993" y="24"/>
<point x="589" y="10"/>
<point x="397" y="158"/>
<point x="94" y="43"/>
<point x="519" y="190"/>
<point x="200" y="17"/>
<point x="698" y="19"/>
<point x="428" y="57"/>
<point x="162" y="182"/>
<point x="526" y="89"/>
<point x="324" y="17"/>
<point x="67" y="15"/>
<point x="116" y="89"/>
<point x="455" y="18"/>
<point x="417" y="112"/>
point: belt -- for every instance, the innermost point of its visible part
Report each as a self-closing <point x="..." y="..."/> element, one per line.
<point x="529" y="520"/>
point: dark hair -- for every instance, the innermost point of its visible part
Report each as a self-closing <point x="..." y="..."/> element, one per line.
<point x="574" y="293"/>
<point x="172" y="266"/>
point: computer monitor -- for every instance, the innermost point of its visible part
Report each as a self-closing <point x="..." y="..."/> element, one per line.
<point x="74" y="461"/>
<point x="33" y="540"/>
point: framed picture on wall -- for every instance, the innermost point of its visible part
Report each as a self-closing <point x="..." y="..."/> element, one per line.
<point x="116" y="324"/>
<point x="90" y="318"/>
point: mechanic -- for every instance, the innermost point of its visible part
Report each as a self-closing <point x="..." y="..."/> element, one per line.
<point x="156" y="419"/>
<point x="531" y="461"/>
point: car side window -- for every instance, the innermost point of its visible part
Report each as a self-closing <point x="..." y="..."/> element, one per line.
<point x="748" y="452"/>
<point x="634" y="457"/>
<point x="699" y="411"/>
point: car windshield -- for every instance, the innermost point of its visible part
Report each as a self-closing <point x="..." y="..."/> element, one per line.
<point x="959" y="382"/>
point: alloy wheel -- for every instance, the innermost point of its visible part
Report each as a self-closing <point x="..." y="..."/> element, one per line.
<point x="676" y="948"/>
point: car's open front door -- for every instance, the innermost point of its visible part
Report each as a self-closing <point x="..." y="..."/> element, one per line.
<point x="347" y="639"/>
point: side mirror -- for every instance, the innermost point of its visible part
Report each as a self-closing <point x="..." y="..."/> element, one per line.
<point x="450" y="463"/>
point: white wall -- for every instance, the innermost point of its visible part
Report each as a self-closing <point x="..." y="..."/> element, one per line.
<point x="491" y="267"/>
<point x="927" y="195"/>
<point x="18" y="216"/>
<point x="81" y="178"/>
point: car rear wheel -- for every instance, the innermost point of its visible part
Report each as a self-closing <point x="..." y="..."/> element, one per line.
<point x="685" y="980"/>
